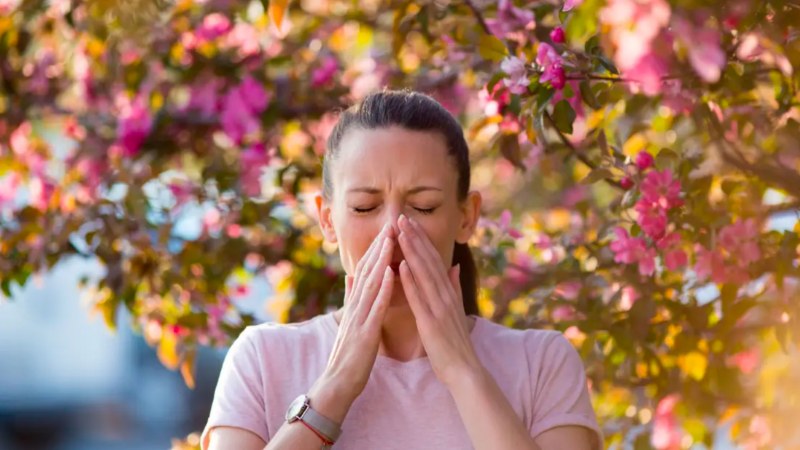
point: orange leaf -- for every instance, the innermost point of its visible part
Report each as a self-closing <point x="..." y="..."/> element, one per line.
<point x="277" y="9"/>
<point x="187" y="368"/>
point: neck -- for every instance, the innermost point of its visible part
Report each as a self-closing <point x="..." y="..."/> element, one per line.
<point x="399" y="335"/>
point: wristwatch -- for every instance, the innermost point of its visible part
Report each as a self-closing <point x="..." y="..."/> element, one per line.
<point x="300" y="409"/>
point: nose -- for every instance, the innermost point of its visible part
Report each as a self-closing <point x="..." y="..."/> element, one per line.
<point x="392" y="214"/>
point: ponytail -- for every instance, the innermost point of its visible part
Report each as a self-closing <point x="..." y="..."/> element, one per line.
<point x="468" y="277"/>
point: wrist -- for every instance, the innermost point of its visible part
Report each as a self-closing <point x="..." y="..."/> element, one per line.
<point x="329" y="397"/>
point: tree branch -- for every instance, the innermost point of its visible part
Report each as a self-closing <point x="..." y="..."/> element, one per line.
<point x="581" y="156"/>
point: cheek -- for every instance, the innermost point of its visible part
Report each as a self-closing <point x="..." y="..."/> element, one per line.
<point x="354" y="241"/>
<point x="442" y="239"/>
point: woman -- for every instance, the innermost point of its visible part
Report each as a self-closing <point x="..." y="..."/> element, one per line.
<point x="407" y="363"/>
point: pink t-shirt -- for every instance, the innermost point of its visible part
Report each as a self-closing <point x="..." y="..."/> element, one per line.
<point x="403" y="406"/>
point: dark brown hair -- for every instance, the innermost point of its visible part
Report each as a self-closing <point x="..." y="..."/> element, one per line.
<point x="418" y="112"/>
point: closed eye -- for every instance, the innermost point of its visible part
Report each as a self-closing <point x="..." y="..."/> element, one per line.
<point x="421" y="210"/>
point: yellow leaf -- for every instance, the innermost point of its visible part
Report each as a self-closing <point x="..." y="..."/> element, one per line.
<point x="694" y="364"/>
<point x="277" y="9"/>
<point x="635" y="144"/>
<point x="167" y="351"/>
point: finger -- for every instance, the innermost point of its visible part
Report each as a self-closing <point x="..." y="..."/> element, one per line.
<point x="425" y="246"/>
<point x="373" y="247"/>
<point x="348" y="286"/>
<point x="372" y="283"/>
<point x="383" y="299"/>
<point x="366" y="263"/>
<point x="422" y="270"/>
<point x="418" y="307"/>
<point x="455" y="280"/>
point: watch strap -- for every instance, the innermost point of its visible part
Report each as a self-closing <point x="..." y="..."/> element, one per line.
<point x="321" y="424"/>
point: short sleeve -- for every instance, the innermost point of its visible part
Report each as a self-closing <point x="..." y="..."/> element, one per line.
<point x="560" y="394"/>
<point x="239" y="395"/>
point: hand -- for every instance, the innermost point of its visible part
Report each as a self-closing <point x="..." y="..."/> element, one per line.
<point x="368" y="294"/>
<point x="434" y="295"/>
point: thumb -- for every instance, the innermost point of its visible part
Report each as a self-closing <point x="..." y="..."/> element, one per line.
<point x="455" y="278"/>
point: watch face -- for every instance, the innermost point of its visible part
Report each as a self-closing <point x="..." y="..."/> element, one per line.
<point x="295" y="408"/>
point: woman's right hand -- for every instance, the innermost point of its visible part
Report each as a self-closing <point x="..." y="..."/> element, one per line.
<point x="368" y="293"/>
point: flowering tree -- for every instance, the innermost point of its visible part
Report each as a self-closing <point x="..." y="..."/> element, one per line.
<point x="648" y="152"/>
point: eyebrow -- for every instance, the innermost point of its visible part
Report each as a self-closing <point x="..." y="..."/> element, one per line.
<point x="372" y="190"/>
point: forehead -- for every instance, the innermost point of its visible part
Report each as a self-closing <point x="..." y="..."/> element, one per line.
<point x="394" y="156"/>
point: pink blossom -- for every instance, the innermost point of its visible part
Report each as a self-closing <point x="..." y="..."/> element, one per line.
<point x="551" y="62"/>
<point x="626" y="248"/>
<point x="626" y="183"/>
<point x="568" y="290"/>
<point x="557" y="35"/>
<point x="705" y="52"/>
<point x="747" y="361"/>
<point x="563" y="312"/>
<point x="182" y="190"/>
<point x="647" y="74"/>
<point x="9" y="185"/>
<point x="628" y="298"/>
<point x="569" y="5"/>
<point x="644" y="160"/>
<point x="740" y="239"/>
<point x="641" y="45"/>
<point x="135" y="124"/>
<point x="214" y="25"/>
<point x="509" y="19"/>
<point x="546" y="55"/>
<point x="204" y="96"/>
<point x="41" y="191"/>
<point x="647" y="262"/>
<point x="709" y="263"/>
<point x="324" y="74"/>
<point x="212" y="221"/>
<point x="652" y="219"/>
<point x="254" y="94"/>
<point x="245" y="38"/>
<point x="667" y="434"/>
<point x="241" y="107"/>
<point x="252" y="162"/>
<point x="760" y="434"/>
<point x="675" y="259"/>
<point x="660" y="189"/>
<point x="517" y="80"/>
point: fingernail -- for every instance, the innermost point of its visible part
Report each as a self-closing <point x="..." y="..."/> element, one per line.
<point x="458" y="269"/>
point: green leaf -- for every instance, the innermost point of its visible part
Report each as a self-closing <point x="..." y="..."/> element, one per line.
<point x="588" y="95"/>
<point x="596" y="175"/>
<point x="563" y="116"/>
<point x="545" y="93"/>
<point x="494" y="80"/>
<point x="602" y="142"/>
<point x="491" y="48"/>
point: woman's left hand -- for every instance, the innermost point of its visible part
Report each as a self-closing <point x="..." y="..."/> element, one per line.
<point x="434" y="295"/>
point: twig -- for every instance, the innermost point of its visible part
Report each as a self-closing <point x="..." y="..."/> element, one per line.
<point x="582" y="157"/>
<point x="479" y="17"/>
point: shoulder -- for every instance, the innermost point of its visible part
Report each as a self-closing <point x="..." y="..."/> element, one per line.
<point x="532" y="339"/>
<point x="542" y="350"/>
<point x="276" y="334"/>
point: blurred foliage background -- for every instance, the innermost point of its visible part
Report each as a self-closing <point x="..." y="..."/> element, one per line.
<point x="639" y="160"/>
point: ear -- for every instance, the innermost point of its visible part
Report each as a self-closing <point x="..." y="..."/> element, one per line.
<point x="470" y="212"/>
<point x="325" y="219"/>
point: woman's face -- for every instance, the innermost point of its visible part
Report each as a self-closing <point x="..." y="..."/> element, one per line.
<point x="382" y="173"/>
